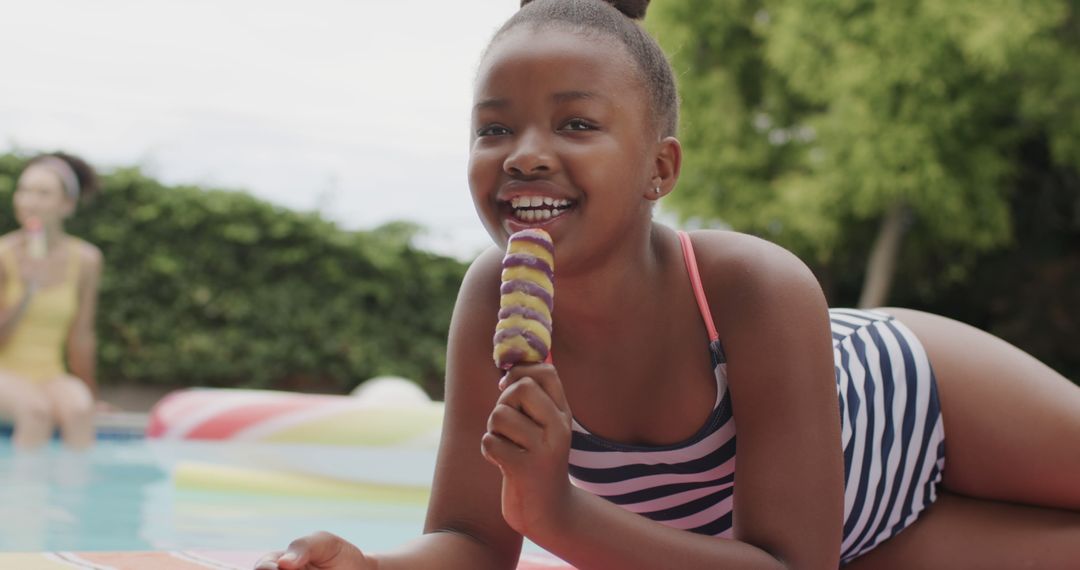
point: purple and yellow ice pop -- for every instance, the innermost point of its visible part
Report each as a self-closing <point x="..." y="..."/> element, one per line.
<point x="523" y="334"/>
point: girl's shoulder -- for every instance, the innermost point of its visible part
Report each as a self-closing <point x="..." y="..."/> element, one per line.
<point x="7" y="241"/>
<point x="489" y="260"/>
<point x="88" y="253"/>
<point x="740" y="271"/>
<point x="484" y="269"/>
<point x="725" y="254"/>
<point x="479" y="289"/>
<point x="89" y="258"/>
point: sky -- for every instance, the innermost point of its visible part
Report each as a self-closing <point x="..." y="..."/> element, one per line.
<point x="357" y="109"/>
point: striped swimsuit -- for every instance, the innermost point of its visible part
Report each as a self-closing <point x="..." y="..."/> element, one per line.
<point x="892" y="437"/>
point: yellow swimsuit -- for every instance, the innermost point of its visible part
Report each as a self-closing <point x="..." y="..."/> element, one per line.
<point x="35" y="349"/>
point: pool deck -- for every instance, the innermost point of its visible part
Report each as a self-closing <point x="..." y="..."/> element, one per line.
<point x="129" y="410"/>
<point x="133" y="398"/>
<point x="180" y="560"/>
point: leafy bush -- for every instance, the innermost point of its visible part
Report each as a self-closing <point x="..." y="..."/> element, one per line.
<point x="216" y="288"/>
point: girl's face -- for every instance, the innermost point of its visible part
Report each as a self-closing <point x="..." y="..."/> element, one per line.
<point x="562" y="139"/>
<point x="40" y="194"/>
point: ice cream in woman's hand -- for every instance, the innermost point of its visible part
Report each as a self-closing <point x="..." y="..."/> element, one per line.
<point x="523" y="334"/>
<point x="35" y="239"/>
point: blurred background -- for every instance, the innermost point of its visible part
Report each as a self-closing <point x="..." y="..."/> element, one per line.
<point x="285" y="202"/>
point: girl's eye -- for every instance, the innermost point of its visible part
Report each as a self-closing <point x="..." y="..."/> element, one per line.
<point x="579" y="125"/>
<point x="492" y="131"/>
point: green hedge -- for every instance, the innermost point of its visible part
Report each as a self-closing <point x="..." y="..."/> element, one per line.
<point x="216" y="288"/>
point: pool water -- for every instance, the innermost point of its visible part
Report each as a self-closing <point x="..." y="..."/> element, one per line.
<point x="120" y="496"/>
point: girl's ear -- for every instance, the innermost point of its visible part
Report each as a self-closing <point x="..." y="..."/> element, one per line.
<point x="667" y="163"/>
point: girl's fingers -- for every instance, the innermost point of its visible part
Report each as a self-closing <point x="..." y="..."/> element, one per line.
<point x="526" y="395"/>
<point x="293" y="559"/>
<point x="269" y="562"/>
<point x="545" y="376"/>
<point x="493" y="447"/>
<point x="279" y="560"/>
<point x="501" y="451"/>
<point x="317" y="547"/>
<point x="513" y="425"/>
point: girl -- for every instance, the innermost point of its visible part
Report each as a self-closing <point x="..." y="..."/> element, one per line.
<point x="48" y="294"/>
<point x="668" y="344"/>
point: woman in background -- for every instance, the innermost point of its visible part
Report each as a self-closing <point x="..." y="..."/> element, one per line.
<point x="48" y="296"/>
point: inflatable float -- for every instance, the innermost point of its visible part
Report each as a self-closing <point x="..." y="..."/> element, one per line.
<point x="378" y="443"/>
<point x="266" y="416"/>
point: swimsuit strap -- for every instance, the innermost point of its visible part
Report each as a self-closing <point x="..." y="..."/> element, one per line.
<point x="695" y="282"/>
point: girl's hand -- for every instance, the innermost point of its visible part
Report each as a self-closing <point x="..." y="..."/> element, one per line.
<point x="319" y="551"/>
<point x="528" y="439"/>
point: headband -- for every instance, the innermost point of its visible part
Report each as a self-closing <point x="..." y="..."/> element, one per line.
<point x="61" y="168"/>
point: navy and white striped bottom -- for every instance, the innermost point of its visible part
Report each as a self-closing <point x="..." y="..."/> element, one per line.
<point x="893" y="437"/>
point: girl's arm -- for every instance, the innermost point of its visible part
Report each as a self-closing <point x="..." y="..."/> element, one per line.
<point x="774" y="323"/>
<point x="465" y="528"/>
<point x="789" y="479"/>
<point x="82" y="339"/>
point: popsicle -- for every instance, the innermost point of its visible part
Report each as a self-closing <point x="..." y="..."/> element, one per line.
<point x="35" y="239"/>
<point x="523" y="334"/>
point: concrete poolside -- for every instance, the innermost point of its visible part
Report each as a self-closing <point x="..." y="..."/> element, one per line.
<point x="134" y="398"/>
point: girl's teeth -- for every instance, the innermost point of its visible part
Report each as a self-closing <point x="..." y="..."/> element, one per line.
<point x="537" y="215"/>
<point x="538" y="208"/>
<point x="537" y="201"/>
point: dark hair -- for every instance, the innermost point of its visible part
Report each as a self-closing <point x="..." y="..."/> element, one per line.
<point x="615" y="18"/>
<point x="88" y="179"/>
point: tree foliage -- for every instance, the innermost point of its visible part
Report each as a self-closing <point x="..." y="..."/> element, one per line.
<point x="804" y="121"/>
<point x="210" y="287"/>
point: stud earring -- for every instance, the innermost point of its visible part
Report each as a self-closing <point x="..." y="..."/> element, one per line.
<point x="657" y="190"/>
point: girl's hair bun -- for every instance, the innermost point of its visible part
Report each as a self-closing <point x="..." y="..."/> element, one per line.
<point x="634" y="9"/>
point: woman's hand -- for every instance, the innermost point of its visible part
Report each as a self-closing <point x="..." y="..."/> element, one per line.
<point x="34" y="274"/>
<point x="319" y="551"/>
<point x="528" y="439"/>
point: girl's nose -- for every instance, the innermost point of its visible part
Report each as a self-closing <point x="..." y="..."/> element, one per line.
<point x="532" y="156"/>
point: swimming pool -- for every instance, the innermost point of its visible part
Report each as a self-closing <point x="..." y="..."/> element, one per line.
<point x="121" y="496"/>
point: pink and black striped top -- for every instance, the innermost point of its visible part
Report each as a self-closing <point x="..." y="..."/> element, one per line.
<point x="892" y="438"/>
<point x="689" y="485"/>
